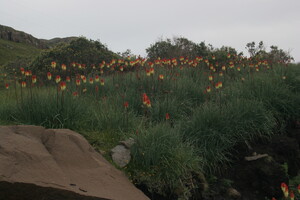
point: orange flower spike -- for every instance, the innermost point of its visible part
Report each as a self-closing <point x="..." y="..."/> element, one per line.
<point x="273" y="198"/>
<point x="33" y="79"/>
<point x="221" y="73"/>
<point x="220" y="84"/>
<point x="27" y="73"/>
<point x="78" y="82"/>
<point x="208" y="89"/>
<point x="286" y="192"/>
<point x="57" y="79"/>
<point x="148" y="73"/>
<point x="6" y="85"/>
<point x="238" y="68"/>
<point x="126" y="104"/>
<point x="84" y="79"/>
<point x="102" y="82"/>
<point x="97" y="79"/>
<point x="148" y="103"/>
<point x="91" y="81"/>
<point x="53" y="65"/>
<point x="167" y="116"/>
<point x="145" y="97"/>
<point x="121" y="68"/>
<point x="49" y="76"/>
<point x="63" y="86"/>
<point x="228" y="55"/>
<point x="224" y="68"/>
<point x="68" y="79"/>
<point x="283" y="186"/>
<point x="151" y="71"/>
<point x="161" y="77"/>
<point x="23" y="84"/>
<point x="213" y="57"/>
<point x="22" y="70"/>
<point x="75" y="94"/>
<point x="292" y="195"/>
<point x="63" y="67"/>
<point x="210" y="78"/>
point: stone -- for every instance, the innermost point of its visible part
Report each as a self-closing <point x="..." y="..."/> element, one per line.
<point x="127" y="143"/>
<point x="233" y="193"/>
<point x="38" y="163"/>
<point x="121" y="155"/>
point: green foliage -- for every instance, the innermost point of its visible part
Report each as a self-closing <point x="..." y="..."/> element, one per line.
<point x="179" y="46"/>
<point x="274" y="55"/>
<point x="255" y="101"/>
<point x="12" y="51"/>
<point x="216" y="128"/>
<point x="78" y="50"/>
<point x="164" y="163"/>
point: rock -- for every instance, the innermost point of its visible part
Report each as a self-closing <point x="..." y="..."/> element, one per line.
<point x="121" y="155"/>
<point x="38" y="163"/>
<point x="233" y="193"/>
<point x="127" y="143"/>
<point x="263" y="176"/>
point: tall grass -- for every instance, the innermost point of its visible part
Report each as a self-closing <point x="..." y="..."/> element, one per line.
<point x="203" y="129"/>
<point x="163" y="162"/>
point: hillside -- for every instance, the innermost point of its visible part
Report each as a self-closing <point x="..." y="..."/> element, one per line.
<point x="11" y="51"/>
<point x="17" y="45"/>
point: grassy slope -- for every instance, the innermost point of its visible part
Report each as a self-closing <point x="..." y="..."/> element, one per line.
<point x="10" y="51"/>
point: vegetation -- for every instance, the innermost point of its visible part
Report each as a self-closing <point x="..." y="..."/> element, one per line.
<point x="187" y="106"/>
<point x="81" y="50"/>
<point x="186" y="115"/>
<point x="11" y="51"/>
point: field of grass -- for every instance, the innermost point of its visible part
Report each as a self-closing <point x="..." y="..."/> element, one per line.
<point x="10" y="51"/>
<point x="186" y="116"/>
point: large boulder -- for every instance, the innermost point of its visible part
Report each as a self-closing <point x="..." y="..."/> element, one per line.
<point x="59" y="162"/>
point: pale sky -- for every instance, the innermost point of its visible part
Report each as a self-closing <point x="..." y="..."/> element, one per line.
<point x="136" y="24"/>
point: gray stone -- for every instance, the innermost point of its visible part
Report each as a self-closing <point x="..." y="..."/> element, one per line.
<point x="127" y="143"/>
<point x="121" y="155"/>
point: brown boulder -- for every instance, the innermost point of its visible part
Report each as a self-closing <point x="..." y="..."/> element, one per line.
<point x="60" y="160"/>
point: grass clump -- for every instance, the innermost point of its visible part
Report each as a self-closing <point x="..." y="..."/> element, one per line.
<point x="162" y="162"/>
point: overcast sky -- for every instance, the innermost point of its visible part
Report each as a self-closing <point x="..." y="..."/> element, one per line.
<point x="135" y="24"/>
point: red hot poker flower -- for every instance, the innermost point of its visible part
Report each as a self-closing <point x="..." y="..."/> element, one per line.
<point x="63" y="67"/>
<point x="77" y="82"/>
<point x="91" y="80"/>
<point x="126" y="104"/>
<point x="63" y="86"/>
<point x="33" y="78"/>
<point x="57" y="79"/>
<point x="292" y="195"/>
<point x="167" y="116"/>
<point x="23" y="84"/>
<point x="53" y="65"/>
<point x="49" y="76"/>
<point x="97" y="79"/>
<point x="102" y="82"/>
<point x="68" y="79"/>
<point x="161" y="77"/>
<point x="22" y="70"/>
<point x="6" y="85"/>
